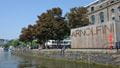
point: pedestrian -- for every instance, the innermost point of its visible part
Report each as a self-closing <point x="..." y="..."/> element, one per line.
<point x="117" y="46"/>
<point x="63" y="50"/>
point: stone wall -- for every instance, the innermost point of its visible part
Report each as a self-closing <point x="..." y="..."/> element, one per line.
<point x="94" y="36"/>
<point x="71" y="55"/>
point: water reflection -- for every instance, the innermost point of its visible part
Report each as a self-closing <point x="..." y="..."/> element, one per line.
<point x="44" y="63"/>
<point x="10" y="61"/>
<point x="7" y="60"/>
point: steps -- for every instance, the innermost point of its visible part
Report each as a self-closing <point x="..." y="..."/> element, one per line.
<point x="116" y="59"/>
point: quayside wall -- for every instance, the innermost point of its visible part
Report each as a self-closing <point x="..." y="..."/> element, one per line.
<point x="81" y="55"/>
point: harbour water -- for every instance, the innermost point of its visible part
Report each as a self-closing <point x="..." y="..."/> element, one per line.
<point x="7" y="60"/>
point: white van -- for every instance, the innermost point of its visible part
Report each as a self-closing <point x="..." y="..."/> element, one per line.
<point x="60" y="44"/>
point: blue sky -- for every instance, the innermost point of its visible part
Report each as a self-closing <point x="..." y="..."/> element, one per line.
<point x="16" y="14"/>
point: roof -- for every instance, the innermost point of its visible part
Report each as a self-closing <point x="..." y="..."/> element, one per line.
<point x="92" y="3"/>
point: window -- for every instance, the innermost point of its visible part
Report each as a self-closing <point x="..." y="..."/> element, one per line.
<point x="92" y="19"/>
<point x="101" y="15"/>
<point x="119" y="8"/>
<point x="101" y="6"/>
<point x="101" y="0"/>
<point x="119" y="17"/>
<point x="92" y="8"/>
<point x="112" y="10"/>
<point x="113" y="18"/>
<point x="112" y="1"/>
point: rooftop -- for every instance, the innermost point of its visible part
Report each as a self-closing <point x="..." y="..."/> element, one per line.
<point x="95" y="2"/>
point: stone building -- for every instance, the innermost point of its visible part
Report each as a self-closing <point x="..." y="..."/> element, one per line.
<point x="104" y="30"/>
<point x="104" y="11"/>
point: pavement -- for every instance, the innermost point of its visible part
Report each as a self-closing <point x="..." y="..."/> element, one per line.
<point x="85" y="50"/>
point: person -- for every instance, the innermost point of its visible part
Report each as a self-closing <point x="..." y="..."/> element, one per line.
<point x="111" y="47"/>
<point x="63" y="50"/>
<point x="117" y="46"/>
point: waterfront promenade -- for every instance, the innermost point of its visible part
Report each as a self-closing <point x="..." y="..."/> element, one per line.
<point x="84" y="50"/>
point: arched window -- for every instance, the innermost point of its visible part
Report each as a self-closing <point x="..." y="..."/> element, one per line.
<point x="119" y="8"/>
<point x="92" y="8"/>
<point x="112" y="1"/>
<point x="92" y="19"/>
<point x="101" y="15"/>
<point x="113" y="10"/>
<point x="113" y="18"/>
<point x="119" y="17"/>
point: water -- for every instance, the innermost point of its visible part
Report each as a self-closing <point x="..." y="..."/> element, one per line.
<point x="10" y="61"/>
<point x="7" y="60"/>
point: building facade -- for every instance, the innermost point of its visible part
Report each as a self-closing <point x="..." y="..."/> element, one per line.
<point x="3" y="41"/>
<point x="104" y="30"/>
<point x="104" y="11"/>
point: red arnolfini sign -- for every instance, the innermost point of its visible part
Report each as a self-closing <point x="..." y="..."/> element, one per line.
<point x="94" y="36"/>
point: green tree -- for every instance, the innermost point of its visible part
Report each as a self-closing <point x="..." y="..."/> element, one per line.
<point x="14" y="42"/>
<point x="77" y="17"/>
<point x="52" y="25"/>
<point x="28" y="34"/>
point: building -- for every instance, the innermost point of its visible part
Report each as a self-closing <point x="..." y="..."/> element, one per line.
<point x="104" y="11"/>
<point x="104" y="30"/>
<point x="3" y="41"/>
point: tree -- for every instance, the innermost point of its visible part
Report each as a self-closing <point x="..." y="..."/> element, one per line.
<point x="77" y="17"/>
<point x="51" y="25"/>
<point x="14" y="42"/>
<point x="28" y="34"/>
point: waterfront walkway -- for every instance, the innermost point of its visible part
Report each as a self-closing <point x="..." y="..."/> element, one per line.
<point x="85" y="50"/>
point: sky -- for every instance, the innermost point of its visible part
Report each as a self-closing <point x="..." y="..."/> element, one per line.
<point x="16" y="14"/>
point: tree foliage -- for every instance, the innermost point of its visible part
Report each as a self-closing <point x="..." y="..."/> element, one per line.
<point x="77" y="17"/>
<point x="28" y="34"/>
<point x="50" y="25"/>
<point x="14" y="42"/>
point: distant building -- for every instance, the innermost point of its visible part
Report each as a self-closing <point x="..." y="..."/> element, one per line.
<point x="3" y="41"/>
